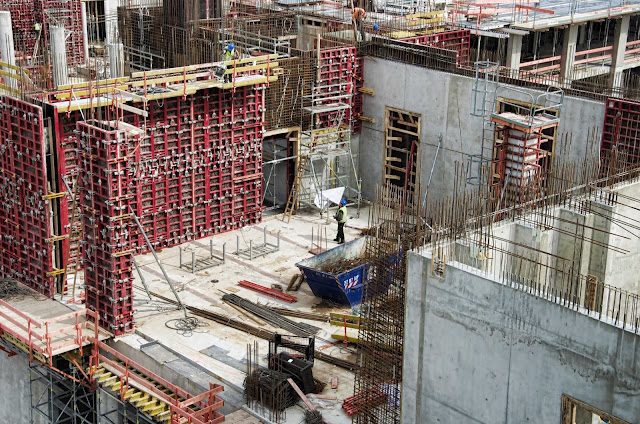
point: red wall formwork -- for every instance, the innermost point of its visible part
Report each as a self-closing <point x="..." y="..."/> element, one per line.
<point x="106" y="202"/>
<point x="459" y="41"/>
<point x="26" y="13"/>
<point x="621" y="134"/>
<point x="200" y="166"/>
<point x="339" y="75"/>
<point x="25" y="213"/>
<point x="196" y="172"/>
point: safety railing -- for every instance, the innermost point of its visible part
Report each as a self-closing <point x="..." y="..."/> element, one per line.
<point x="183" y="407"/>
<point x="40" y="338"/>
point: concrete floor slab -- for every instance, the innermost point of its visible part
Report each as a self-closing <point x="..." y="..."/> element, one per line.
<point x="214" y="351"/>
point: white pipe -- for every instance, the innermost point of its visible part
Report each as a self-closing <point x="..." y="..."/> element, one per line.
<point x="85" y="31"/>
<point x="115" y="53"/>
<point x="59" y="56"/>
<point x="7" y="50"/>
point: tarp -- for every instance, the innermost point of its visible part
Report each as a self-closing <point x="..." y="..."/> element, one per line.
<point x="324" y="198"/>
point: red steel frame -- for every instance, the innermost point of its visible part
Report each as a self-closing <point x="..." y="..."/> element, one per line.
<point x="620" y="132"/>
<point x="207" y="403"/>
<point x="26" y="13"/>
<point x="338" y="75"/>
<point x="25" y="217"/>
<point x="107" y="198"/>
<point x="451" y="40"/>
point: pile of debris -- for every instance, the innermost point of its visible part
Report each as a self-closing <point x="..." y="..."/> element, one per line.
<point x="342" y="265"/>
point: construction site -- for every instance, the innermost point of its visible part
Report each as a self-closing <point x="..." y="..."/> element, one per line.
<point x="313" y="211"/>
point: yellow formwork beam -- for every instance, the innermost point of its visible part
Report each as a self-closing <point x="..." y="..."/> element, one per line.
<point x="179" y="91"/>
<point x="14" y="67"/>
<point x="94" y="91"/>
<point x="438" y="13"/>
<point x="191" y="68"/>
<point x="110" y="81"/>
<point x="270" y="65"/>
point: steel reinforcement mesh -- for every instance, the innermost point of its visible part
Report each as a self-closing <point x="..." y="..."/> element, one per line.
<point x="380" y="344"/>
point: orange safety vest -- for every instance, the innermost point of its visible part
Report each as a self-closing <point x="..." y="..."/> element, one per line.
<point x="358" y="13"/>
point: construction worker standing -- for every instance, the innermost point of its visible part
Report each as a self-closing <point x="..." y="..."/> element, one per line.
<point x="229" y="54"/>
<point x="358" y="23"/>
<point x="341" y="217"/>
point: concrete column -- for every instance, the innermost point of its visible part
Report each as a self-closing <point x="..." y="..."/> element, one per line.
<point x="85" y="33"/>
<point x="115" y="54"/>
<point x="7" y="52"/>
<point x="568" y="53"/>
<point x="111" y="21"/>
<point x="619" y="47"/>
<point x="59" y="56"/>
<point x="582" y="34"/>
<point x="514" y="51"/>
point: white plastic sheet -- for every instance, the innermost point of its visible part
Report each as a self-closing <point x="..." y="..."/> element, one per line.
<point x="324" y="198"/>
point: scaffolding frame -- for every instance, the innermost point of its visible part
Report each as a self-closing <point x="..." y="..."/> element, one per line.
<point x="56" y="399"/>
<point x="328" y="147"/>
<point x="484" y="104"/>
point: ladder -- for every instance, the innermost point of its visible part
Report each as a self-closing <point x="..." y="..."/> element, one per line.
<point x="74" y="238"/>
<point x="295" y="189"/>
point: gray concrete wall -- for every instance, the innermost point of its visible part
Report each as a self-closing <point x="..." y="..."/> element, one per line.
<point x="15" y="404"/>
<point x="487" y="353"/>
<point x="445" y="102"/>
<point x="622" y="268"/>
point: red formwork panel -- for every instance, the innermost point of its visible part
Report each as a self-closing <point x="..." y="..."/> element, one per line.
<point x="620" y="141"/>
<point x="196" y="171"/>
<point x="26" y="256"/>
<point x="67" y="13"/>
<point x="459" y="41"/>
<point x="337" y="67"/>
<point x="26" y="13"/>
<point x="356" y="102"/>
<point x="108" y="197"/>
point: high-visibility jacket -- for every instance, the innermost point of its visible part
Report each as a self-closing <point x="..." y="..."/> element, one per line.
<point x="229" y="55"/>
<point x="358" y="13"/>
<point x="341" y="215"/>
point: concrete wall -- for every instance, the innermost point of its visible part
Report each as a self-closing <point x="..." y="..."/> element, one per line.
<point x="621" y="269"/>
<point x="445" y="102"/>
<point x="487" y="353"/>
<point x="15" y="407"/>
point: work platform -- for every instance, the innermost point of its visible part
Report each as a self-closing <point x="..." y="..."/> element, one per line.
<point x="43" y="327"/>
<point x="164" y="84"/>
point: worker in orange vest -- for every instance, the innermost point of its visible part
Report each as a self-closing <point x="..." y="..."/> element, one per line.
<point x="358" y="23"/>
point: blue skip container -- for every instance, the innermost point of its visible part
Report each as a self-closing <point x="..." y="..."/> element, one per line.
<point x="344" y="288"/>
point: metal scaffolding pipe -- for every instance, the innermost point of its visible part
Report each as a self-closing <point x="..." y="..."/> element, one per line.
<point x="85" y="31"/>
<point x="115" y="53"/>
<point x="7" y="51"/>
<point x="59" y="56"/>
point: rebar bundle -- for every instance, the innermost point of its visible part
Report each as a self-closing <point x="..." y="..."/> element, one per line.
<point x="270" y="388"/>
<point x="273" y="318"/>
